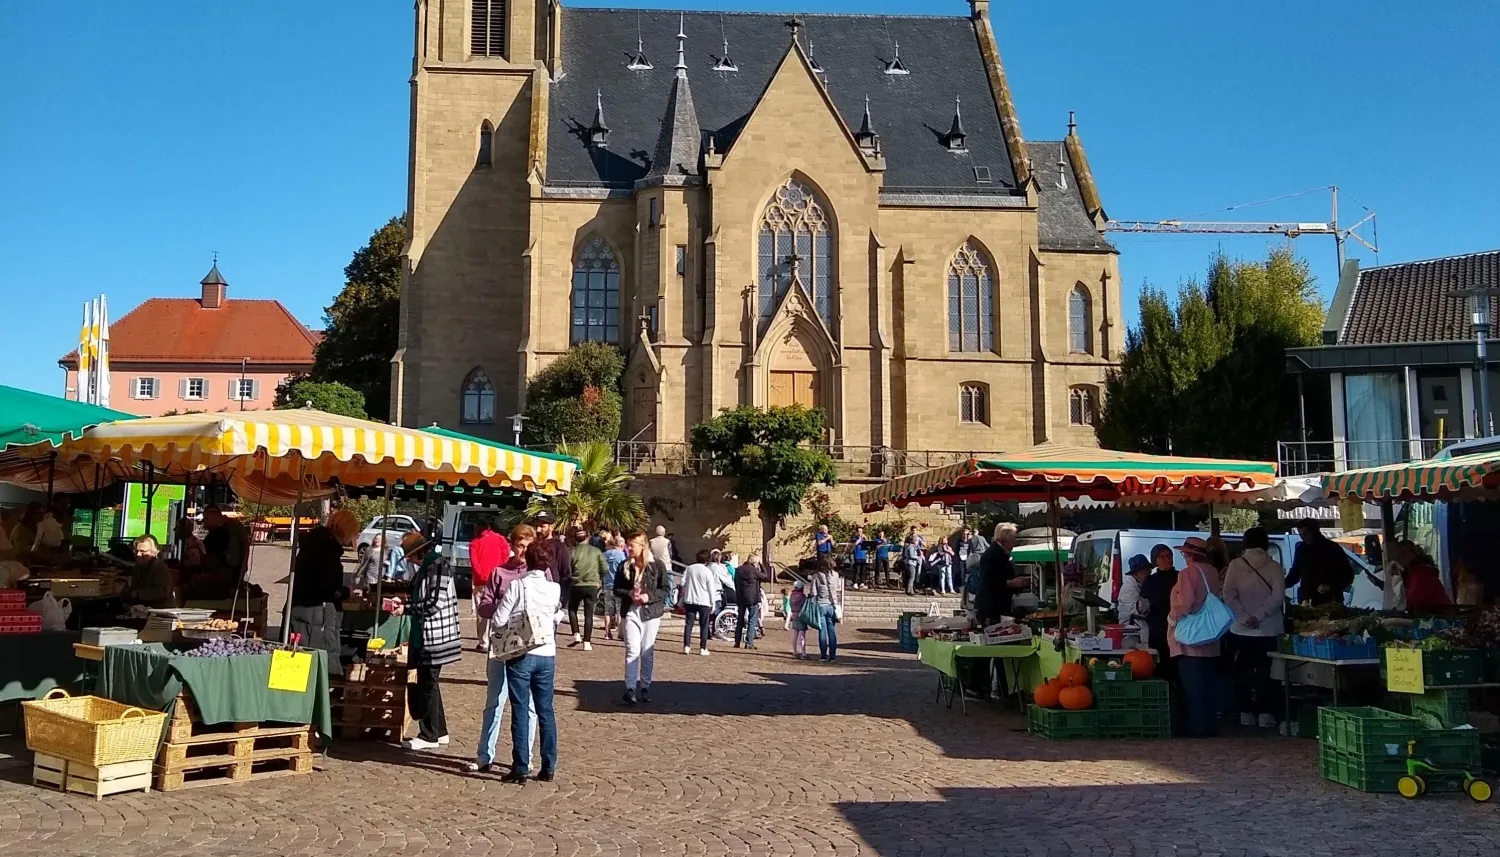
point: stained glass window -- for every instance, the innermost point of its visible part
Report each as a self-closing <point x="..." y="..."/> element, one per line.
<point x="1080" y="322"/>
<point x="973" y="404"/>
<point x="478" y="399"/>
<point x="1081" y="406"/>
<point x="971" y="301"/>
<point x="596" y="294"/>
<point x="796" y="236"/>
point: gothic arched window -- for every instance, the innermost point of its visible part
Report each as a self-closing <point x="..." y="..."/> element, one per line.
<point x="971" y="301"/>
<point x="1080" y="322"/>
<point x="1082" y="406"/>
<point x="795" y="228"/>
<point x="974" y="403"/>
<point x="478" y="399"/>
<point x="486" y="145"/>
<point x="596" y="294"/>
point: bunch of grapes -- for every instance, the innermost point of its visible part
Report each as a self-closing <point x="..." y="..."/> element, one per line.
<point x="228" y="647"/>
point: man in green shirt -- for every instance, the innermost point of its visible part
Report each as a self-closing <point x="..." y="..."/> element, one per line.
<point x="589" y="571"/>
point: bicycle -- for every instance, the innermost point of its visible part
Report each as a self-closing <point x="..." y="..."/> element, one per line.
<point x="1414" y="785"/>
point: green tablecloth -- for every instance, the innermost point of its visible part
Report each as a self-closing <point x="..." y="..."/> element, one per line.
<point x="1038" y="661"/>
<point x="395" y="630"/>
<point x="33" y="664"/>
<point x="225" y="690"/>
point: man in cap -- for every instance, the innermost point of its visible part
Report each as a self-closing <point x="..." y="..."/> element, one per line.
<point x="559" y="552"/>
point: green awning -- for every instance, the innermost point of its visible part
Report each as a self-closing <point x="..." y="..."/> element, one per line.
<point x="1039" y="554"/>
<point x="28" y="418"/>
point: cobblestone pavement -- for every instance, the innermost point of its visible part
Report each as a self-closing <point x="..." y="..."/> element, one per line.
<point x="752" y="753"/>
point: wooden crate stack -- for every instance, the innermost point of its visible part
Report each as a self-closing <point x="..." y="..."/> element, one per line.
<point x="369" y="701"/>
<point x="76" y="777"/>
<point x="196" y="755"/>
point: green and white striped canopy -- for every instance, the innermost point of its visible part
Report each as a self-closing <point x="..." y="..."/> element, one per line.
<point x="1419" y="480"/>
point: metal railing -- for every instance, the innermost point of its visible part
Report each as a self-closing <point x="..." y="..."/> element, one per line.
<point x="649" y="458"/>
<point x="1304" y="458"/>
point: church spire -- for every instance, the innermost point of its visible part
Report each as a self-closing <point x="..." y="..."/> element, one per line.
<point x="681" y="137"/>
<point x="956" y="140"/>
<point x="865" y="137"/>
<point x="599" y="131"/>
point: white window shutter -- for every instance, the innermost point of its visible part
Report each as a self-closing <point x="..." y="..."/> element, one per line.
<point x="182" y="388"/>
<point x="156" y="388"/>
<point x="135" y="388"/>
<point x="254" y="389"/>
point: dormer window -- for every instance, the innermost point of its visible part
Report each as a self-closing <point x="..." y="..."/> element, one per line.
<point x="638" y="60"/>
<point x="956" y="140"/>
<point x="599" y="131"/>
<point x="895" y="65"/>
<point x="725" y="63"/>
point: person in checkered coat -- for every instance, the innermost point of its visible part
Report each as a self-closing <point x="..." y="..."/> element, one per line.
<point x="436" y="639"/>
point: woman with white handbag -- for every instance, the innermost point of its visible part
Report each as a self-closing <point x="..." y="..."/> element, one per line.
<point x="486" y="602"/>
<point x="1197" y="622"/>
<point x="525" y="639"/>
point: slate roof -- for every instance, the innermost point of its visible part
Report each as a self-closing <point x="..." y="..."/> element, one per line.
<point x="911" y="112"/>
<point x="1409" y="302"/>
<point x="1063" y="222"/>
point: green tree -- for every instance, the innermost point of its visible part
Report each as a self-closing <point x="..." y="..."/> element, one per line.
<point x="328" y="396"/>
<point x="773" y="457"/>
<point x="364" y="319"/>
<point x="1207" y="376"/>
<point x="577" y="398"/>
<point x="600" y="495"/>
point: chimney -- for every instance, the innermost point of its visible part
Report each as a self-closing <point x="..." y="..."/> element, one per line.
<point x="979" y="8"/>
<point x="215" y="288"/>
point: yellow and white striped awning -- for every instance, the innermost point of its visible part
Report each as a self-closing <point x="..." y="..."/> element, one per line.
<point x="304" y="443"/>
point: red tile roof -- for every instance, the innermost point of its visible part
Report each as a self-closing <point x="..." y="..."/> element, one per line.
<point x="180" y="330"/>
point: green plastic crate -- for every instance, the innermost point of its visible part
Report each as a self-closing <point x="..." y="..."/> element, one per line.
<point x="1367" y="732"/>
<point x="1058" y="725"/>
<point x="1153" y="695"/>
<point x="1103" y="673"/>
<point x="1448" y="667"/>
<point x="1135" y="725"/>
<point x="1449" y="748"/>
<point x="1442" y="709"/>
<point x="1366" y="773"/>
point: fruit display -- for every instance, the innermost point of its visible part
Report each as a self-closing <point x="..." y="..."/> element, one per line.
<point x="1048" y="694"/>
<point x="1141" y="664"/>
<point x="216" y="625"/>
<point x="229" y="647"/>
<point x="1076" y="698"/>
<point x="1073" y="675"/>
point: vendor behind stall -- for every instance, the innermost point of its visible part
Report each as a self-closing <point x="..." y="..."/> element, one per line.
<point x="227" y="546"/>
<point x="150" y="579"/>
<point x="1320" y="566"/>
<point x="318" y="584"/>
<point x="23" y="532"/>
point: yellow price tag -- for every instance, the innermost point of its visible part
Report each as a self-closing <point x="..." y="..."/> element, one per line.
<point x="1403" y="671"/>
<point x="290" y="670"/>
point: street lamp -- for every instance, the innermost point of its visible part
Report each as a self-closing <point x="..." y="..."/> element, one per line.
<point x="515" y="425"/>
<point x="1479" y="309"/>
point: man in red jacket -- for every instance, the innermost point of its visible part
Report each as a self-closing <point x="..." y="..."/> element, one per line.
<point x="488" y="550"/>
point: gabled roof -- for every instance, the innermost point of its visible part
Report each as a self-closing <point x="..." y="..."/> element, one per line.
<point x="1063" y="221"/>
<point x="1410" y="302"/>
<point x="914" y="110"/>
<point x="180" y="330"/>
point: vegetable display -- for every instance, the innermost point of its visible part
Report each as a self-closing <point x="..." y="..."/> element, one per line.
<point x="229" y="647"/>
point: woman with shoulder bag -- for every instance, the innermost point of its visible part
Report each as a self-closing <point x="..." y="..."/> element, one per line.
<point x="828" y="594"/>
<point x="1197" y="622"/>
<point x="1255" y="592"/>
<point x="529" y="613"/>
<point x="487" y="601"/>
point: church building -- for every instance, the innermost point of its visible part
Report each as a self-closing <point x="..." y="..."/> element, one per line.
<point x="832" y="210"/>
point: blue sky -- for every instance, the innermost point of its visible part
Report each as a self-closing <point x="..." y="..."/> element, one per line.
<point x="141" y="137"/>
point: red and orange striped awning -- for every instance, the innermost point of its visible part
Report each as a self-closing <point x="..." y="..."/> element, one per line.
<point x="1067" y="472"/>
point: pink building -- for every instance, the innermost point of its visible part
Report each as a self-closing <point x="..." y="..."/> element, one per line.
<point x="208" y="353"/>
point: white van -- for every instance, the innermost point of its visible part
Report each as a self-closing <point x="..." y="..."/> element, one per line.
<point x="458" y="530"/>
<point x="1105" y="553"/>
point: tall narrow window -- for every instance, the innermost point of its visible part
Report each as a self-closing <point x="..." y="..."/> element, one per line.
<point x="1080" y="322"/>
<point x="596" y="294"/>
<point x="1081" y="406"/>
<point x="974" y="404"/>
<point x="487" y="28"/>
<point x="971" y="301"/>
<point x="478" y="399"/>
<point x="486" y="145"/>
<point x="796" y="244"/>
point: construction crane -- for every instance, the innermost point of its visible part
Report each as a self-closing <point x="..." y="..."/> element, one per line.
<point x="1341" y="234"/>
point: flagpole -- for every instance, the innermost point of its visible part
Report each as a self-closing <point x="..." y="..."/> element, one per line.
<point x="101" y="365"/>
<point x="82" y="393"/>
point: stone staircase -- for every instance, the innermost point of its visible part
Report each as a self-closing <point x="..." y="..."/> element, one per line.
<point x="881" y="609"/>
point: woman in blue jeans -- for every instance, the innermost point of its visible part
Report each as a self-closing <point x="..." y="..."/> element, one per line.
<point x="530" y="678"/>
<point x="487" y="602"/>
<point x="828" y="593"/>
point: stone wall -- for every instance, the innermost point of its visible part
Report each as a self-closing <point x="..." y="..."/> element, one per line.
<point x="703" y="512"/>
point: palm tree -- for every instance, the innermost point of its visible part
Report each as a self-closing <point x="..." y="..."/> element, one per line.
<point x="600" y="494"/>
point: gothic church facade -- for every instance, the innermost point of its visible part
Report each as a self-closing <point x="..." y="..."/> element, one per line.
<point x="834" y="210"/>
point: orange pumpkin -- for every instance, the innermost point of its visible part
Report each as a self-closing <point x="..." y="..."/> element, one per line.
<point x="1076" y="698"/>
<point x="1073" y="675"/>
<point x="1046" y="695"/>
<point x="1141" y="664"/>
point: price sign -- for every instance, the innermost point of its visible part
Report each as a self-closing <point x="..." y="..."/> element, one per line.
<point x="1403" y="671"/>
<point x="290" y="670"/>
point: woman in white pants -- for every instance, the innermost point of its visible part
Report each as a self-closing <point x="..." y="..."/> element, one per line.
<point x="642" y="589"/>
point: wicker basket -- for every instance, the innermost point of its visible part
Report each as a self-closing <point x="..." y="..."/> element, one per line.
<point x="91" y="730"/>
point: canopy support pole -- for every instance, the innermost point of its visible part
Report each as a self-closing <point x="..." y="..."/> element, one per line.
<point x="1387" y="527"/>
<point x="51" y="475"/>
<point x="291" y="577"/>
<point x="1062" y="620"/>
<point x="380" y="561"/>
<point x="150" y="493"/>
<point x="98" y="503"/>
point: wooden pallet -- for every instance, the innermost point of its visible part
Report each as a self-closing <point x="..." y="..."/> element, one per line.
<point x="218" y="770"/>
<point x="235" y="746"/>
<point x="373" y="709"/>
<point x="84" y="779"/>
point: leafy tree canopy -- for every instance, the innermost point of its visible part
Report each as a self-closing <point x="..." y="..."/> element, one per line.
<point x="328" y="396"/>
<point x="1207" y="375"/>
<point x="577" y="398"/>
<point x="364" y="320"/>
<point x="600" y="496"/>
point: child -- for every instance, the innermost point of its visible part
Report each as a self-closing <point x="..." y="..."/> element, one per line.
<point x="799" y="629"/>
<point x="786" y="609"/>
